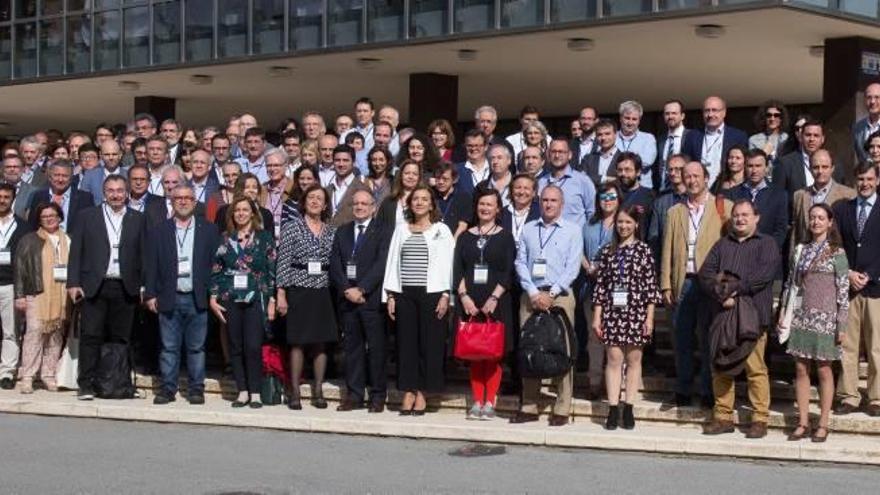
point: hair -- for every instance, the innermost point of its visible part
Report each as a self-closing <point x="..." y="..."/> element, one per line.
<point x="156" y="138"/>
<point x="481" y="192"/>
<point x="540" y="127"/>
<point x="835" y="242"/>
<point x="814" y="123"/>
<point x="675" y="101"/>
<point x="864" y="167"/>
<point x="760" y="120"/>
<point x="325" y="213"/>
<point x="291" y="134"/>
<point x="397" y="186"/>
<point x="608" y="186"/>
<point x="874" y="135"/>
<point x="52" y="206"/>
<point x="146" y="116"/>
<point x="383" y="123"/>
<point x="353" y="136"/>
<point x="282" y="127"/>
<point x="310" y="146"/>
<point x="475" y="133"/>
<point x="726" y="174"/>
<point x="17" y="158"/>
<point x="344" y="148"/>
<point x="446" y="128"/>
<point x="5" y="186"/>
<point x="435" y="210"/>
<point x="366" y="100"/>
<point x="443" y="167"/>
<point x="432" y="157"/>
<point x="629" y="156"/>
<point x="755" y="153"/>
<point x="745" y="201"/>
<point x="486" y="109"/>
<point x="55" y="147"/>
<point x="137" y="167"/>
<point x="632" y="211"/>
<point x="255" y="131"/>
<point x="88" y="148"/>
<point x="256" y="216"/>
<point x="389" y="160"/>
<point x="59" y="164"/>
<point x="221" y="136"/>
<point x="631" y="106"/>
<point x="603" y="123"/>
<point x="113" y="178"/>
<point x="242" y="180"/>
<point x="527" y="110"/>
<point x="173" y="168"/>
<point x="30" y="141"/>
<point x="295" y="192"/>
<point x="276" y="151"/>
<point x="171" y="121"/>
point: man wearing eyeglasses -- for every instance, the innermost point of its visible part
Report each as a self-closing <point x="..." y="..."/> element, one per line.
<point x="93" y="180"/>
<point x="177" y="274"/>
<point x="159" y="211"/>
<point x="711" y="145"/>
<point x="13" y="167"/>
<point x="71" y="200"/>
<point x="868" y="125"/>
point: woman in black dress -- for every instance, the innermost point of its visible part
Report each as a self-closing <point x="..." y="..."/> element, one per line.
<point x="483" y="272"/>
<point x="624" y="297"/>
<point x="303" y="290"/>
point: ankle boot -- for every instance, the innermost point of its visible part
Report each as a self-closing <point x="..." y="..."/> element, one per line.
<point x="629" y="421"/>
<point x="613" y="415"/>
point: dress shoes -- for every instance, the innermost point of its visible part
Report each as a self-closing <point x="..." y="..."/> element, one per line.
<point x="558" y="420"/>
<point x="844" y="408"/>
<point x="7" y="383"/>
<point x="162" y="399"/>
<point x="349" y="405"/>
<point x="758" y="429"/>
<point x="196" y="399"/>
<point x="523" y="417"/>
<point x="873" y="410"/>
<point x="718" y="427"/>
<point x="376" y="407"/>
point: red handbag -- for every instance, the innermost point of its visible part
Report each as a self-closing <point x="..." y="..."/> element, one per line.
<point x="479" y="341"/>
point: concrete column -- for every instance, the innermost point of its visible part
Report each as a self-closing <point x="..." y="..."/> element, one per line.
<point x="432" y="96"/>
<point x="158" y="106"/>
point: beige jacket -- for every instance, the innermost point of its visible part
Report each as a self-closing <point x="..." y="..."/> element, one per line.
<point x="803" y="201"/>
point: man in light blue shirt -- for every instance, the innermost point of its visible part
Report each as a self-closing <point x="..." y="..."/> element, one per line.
<point x="578" y="189"/>
<point x="630" y="138"/>
<point x="255" y="159"/>
<point x="547" y="262"/>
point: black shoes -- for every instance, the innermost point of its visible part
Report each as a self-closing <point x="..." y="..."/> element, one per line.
<point x="319" y="403"/>
<point x="236" y="404"/>
<point x="376" y="407"/>
<point x="196" y="399"/>
<point x="523" y="417"/>
<point x="613" y="418"/>
<point x="7" y="383"/>
<point x="629" y="420"/>
<point x="161" y="399"/>
<point x="294" y="404"/>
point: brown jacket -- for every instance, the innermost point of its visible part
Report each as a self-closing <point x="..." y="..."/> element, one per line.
<point x="28" y="276"/>
<point x="343" y="213"/>
<point x="803" y="201"/>
<point x="673" y="261"/>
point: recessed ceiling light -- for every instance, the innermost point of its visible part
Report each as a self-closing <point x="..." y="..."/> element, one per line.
<point x="817" y="51"/>
<point x="580" y="44"/>
<point x="201" y="79"/>
<point x="710" y="31"/>
<point x="368" y="62"/>
<point x="279" y="71"/>
<point x="129" y="85"/>
<point x="467" y="55"/>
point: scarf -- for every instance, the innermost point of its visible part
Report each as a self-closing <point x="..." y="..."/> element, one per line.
<point x="51" y="304"/>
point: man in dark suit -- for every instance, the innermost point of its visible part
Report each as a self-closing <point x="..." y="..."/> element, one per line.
<point x="669" y="142"/>
<point x="12" y="228"/>
<point x="711" y="145"/>
<point x="160" y="209"/>
<point x="13" y="167"/>
<point x="93" y="180"/>
<point x="599" y="166"/>
<point x="770" y="200"/>
<point x="792" y="173"/>
<point x="60" y="191"/>
<point x="105" y="269"/>
<point x="178" y="271"/>
<point x="586" y="144"/>
<point x="342" y="188"/>
<point x="476" y="168"/>
<point x="356" y="270"/>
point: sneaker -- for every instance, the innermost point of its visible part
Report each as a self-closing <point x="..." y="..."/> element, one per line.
<point x="488" y="413"/>
<point x="476" y="412"/>
<point x="85" y="394"/>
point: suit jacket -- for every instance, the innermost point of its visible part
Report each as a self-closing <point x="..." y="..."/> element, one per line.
<point x="157" y="211"/>
<point x="590" y="166"/>
<point x="90" y="252"/>
<point x="861" y="252"/>
<point x="212" y="185"/>
<point x="93" y="182"/>
<point x="673" y="261"/>
<point x="772" y="205"/>
<point x="789" y="173"/>
<point x="803" y="201"/>
<point x="23" y="199"/>
<point x="161" y="263"/>
<point x="692" y="144"/>
<point x="575" y="146"/>
<point x="658" y="168"/>
<point x="79" y="200"/>
<point x="507" y="217"/>
<point x="860" y="134"/>
<point x="343" y="213"/>
<point x="370" y="260"/>
<point x="21" y="228"/>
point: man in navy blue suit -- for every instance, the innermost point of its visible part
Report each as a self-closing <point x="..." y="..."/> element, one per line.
<point x="711" y="144"/>
<point x="71" y="200"/>
<point x="770" y="200"/>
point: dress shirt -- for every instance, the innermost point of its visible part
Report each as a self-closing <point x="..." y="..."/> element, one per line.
<point x="339" y="189"/>
<point x="155" y="187"/>
<point x="478" y="176"/>
<point x="605" y="163"/>
<point x="676" y="135"/>
<point x="578" y="191"/>
<point x="257" y="168"/>
<point x="65" y="205"/>
<point x="113" y="225"/>
<point x="184" y="242"/>
<point x="819" y="195"/>
<point x="805" y="159"/>
<point x="695" y="222"/>
<point x="27" y="175"/>
<point x="199" y="190"/>
<point x="869" y="201"/>
<point x="518" y="221"/>
<point x="7" y="228"/>
<point x="518" y="142"/>
<point x="753" y="191"/>
<point x="713" y="145"/>
<point x="586" y="145"/>
<point x="366" y="132"/>
<point x="644" y="145"/>
<point x="274" y="200"/>
<point x="326" y="174"/>
<point x="138" y="204"/>
<point x="562" y="252"/>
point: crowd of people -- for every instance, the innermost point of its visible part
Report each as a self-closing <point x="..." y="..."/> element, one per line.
<point x="355" y="232"/>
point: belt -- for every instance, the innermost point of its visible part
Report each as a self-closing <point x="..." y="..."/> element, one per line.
<point x="183" y="293"/>
<point x="546" y="288"/>
<point x="690" y="275"/>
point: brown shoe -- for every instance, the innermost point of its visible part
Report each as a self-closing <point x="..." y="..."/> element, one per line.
<point x="718" y="426"/>
<point x="757" y="430"/>
<point x="349" y="405"/>
<point x="873" y="410"/>
<point x="522" y="417"/>
<point x="844" y="408"/>
<point x="558" y="420"/>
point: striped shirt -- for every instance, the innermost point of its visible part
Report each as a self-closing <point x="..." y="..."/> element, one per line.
<point x="414" y="261"/>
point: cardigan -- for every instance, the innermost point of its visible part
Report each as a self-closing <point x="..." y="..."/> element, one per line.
<point x="441" y="246"/>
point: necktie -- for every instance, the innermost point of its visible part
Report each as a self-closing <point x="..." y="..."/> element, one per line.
<point x="863" y="217"/>
<point x="670" y="146"/>
<point x="359" y="237"/>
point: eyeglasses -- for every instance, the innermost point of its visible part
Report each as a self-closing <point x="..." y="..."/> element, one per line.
<point x="184" y="198"/>
<point x="608" y="197"/>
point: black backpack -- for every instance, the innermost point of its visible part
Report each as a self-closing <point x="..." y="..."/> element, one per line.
<point x="114" y="373"/>
<point x="542" y="352"/>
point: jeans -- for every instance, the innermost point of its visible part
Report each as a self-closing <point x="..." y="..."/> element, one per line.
<point x="689" y="322"/>
<point x="184" y="325"/>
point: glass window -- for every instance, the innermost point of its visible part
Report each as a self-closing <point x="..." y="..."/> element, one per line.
<point x="51" y="7"/>
<point x="385" y="20"/>
<point x="691" y="4"/>
<point x="572" y="10"/>
<point x="5" y="51"/>
<point x="166" y="33"/>
<point x="107" y="28"/>
<point x="268" y="26"/>
<point x="474" y="15"/>
<point x="199" y="31"/>
<point x="859" y="7"/>
<point x="516" y="13"/>
<point x="26" y="50"/>
<point x="344" y="22"/>
<point x="136" y="40"/>
<point x="232" y="28"/>
<point x="305" y="24"/>
<point x="78" y="43"/>
<point x="25" y="8"/>
<point x="5" y="13"/>
<point x="107" y="4"/>
<point x="52" y="47"/>
<point x="626" y="7"/>
<point x="428" y="18"/>
<point x="77" y="5"/>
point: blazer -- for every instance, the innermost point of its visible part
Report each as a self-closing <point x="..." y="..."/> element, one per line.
<point x="22" y="199"/>
<point x="343" y="213"/>
<point x="441" y="247"/>
<point x="575" y="146"/>
<point x="212" y="185"/>
<point x="860" y="135"/>
<point x="93" y="182"/>
<point x="90" y="252"/>
<point x="673" y="260"/>
<point x="370" y="261"/>
<point x="79" y="200"/>
<point x="692" y="143"/>
<point x="465" y="181"/>
<point x="161" y="263"/>
<point x="658" y="168"/>
<point x="387" y="213"/>
<point x="789" y="173"/>
<point x="507" y="216"/>
<point x="21" y="228"/>
<point x="157" y="211"/>
<point x="590" y="166"/>
<point x="803" y="201"/>
<point x="772" y="205"/>
<point x="861" y="252"/>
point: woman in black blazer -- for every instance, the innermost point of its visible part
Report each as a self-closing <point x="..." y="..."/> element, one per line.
<point x="405" y="181"/>
<point x="248" y="185"/>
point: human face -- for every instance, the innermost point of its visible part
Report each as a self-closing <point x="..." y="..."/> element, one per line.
<point x="576" y="129"/>
<point x="410" y="176"/>
<point x="736" y="161"/>
<point x="315" y="203"/>
<point x="61" y="154"/>
<point x="255" y="146"/>
<point x="29" y="153"/>
<point x="773" y="119"/>
<point x="170" y="132"/>
<point x="866" y="184"/>
<point x="220" y="148"/>
<point x="416" y="150"/>
<point x="673" y="115"/>
<point x="439" y="137"/>
<point x="308" y="157"/>
<point x="49" y="220"/>
<point x="362" y="205"/>
<point x="306" y="179"/>
<point x="559" y="153"/>
<point x="231" y="174"/>
<point x="364" y="114"/>
<point x="343" y="124"/>
<point x="292" y="147"/>
<point x="528" y="118"/>
<point x="157" y="153"/>
<point x="183" y="202"/>
<point x="207" y="139"/>
<point x="533" y="160"/>
<point x="714" y="112"/>
<point x="486" y="123"/>
<point x="629" y="122"/>
<point x="114" y="194"/>
<point x="499" y="162"/>
<point x="5" y="203"/>
<point x="200" y="165"/>
<point x="444" y="182"/>
<point x="251" y="189"/>
<point x="312" y="127"/>
<point x="745" y="221"/>
<point x="587" y="120"/>
<point x="694" y="179"/>
<point x="534" y="137"/>
<point x="872" y="99"/>
<point x="756" y="170"/>
<point x="813" y="137"/>
<point x="379" y="163"/>
<point x="476" y="149"/>
<point x="551" y="204"/>
<point x="626" y="174"/>
<point x="170" y="180"/>
<point x="381" y="135"/>
<point x="605" y="137"/>
<point x="242" y="215"/>
<point x="325" y="147"/>
<point x="102" y="135"/>
<point x="111" y="154"/>
<point x="190" y="137"/>
<point x="421" y="204"/>
<point x="625" y="225"/>
<point x="275" y="168"/>
<point x="140" y="155"/>
<point x="88" y="160"/>
<point x="59" y="179"/>
<point x="609" y="202"/>
<point x="12" y="170"/>
<point x="874" y="150"/>
<point x="357" y="143"/>
<point x="246" y="122"/>
<point x="144" y="128"/>
<point x="821" y="168"/>
<point x="343" y="164"/>
<point x="488" y="209"/>
<point x="819" y="222"/>
<point x="674" y="171"/>
<point x="138" y="182"/>
<point x="232" y="132"/>
<point x="522" y="191"/>
<point x="389" y="115"/>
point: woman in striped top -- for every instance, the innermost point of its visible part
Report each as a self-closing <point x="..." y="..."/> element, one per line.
<point x="418" y="277"/>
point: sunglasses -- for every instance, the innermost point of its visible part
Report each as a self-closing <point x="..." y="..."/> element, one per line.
<point x="772" y="115"/>
<point x="608" y="197"/>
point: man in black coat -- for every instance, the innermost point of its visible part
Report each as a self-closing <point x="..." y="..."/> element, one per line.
<point x="12" y="229"/>
<point x="61" y="192"/>
<point x="357" y="266"/>
<point x="159" y="209"/>
<point x="770" y="200"/>
<point x="792" y="173"/>
<point x="106" y="271"/>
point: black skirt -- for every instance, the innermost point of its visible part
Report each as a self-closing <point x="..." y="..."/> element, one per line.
<point x="311" y="318"/>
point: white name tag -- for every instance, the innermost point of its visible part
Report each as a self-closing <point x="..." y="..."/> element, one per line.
<point x="277" y="231"/>
<point x="481" y="274"/>
<point x="692" y="251"/>
<point x="59" y="273"/>
<point x="314" y="267"/>
<point x="351" y="270"/>
<point x="184" y="267"/>
<point x="240" y="281"/>
<point x="539" y="268"/>
<point x="619" y="298"/>
<point x="5" y="257"/>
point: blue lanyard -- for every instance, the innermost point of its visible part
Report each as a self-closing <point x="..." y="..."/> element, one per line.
<point x="541" y="236"/>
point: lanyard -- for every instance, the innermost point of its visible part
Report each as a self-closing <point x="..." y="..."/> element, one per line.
<point x="181" y="242"/>
<point x="483" y="175"/>
<point x="201" y="194"/>
<point x="560" y="183"/>
<point x="517" y="226"/>
<point x="541" y="236"/>
<point x="707" y="148"/>
<point x="449" y="201"/>
<point x="621" y="259"/>
<point x="273" y="206"/>
<point x="699" y="219"/>
<point x="156" y="187"/>
<point x="240" y="247"/>
<point x="483" y="240"/>
<point x="116" y="228"/>
<point x="5" y="233"/>
<point x="628" y="143"/>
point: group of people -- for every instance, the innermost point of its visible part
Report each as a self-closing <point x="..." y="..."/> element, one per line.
<point x="310" y="236"/>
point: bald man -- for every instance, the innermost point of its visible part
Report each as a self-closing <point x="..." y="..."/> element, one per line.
<point x="710" y="145"/>
<point x="870" y="124"/>
<point x="111" y="160"/>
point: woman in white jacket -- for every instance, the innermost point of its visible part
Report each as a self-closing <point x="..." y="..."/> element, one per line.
<point x="418" y="278"/>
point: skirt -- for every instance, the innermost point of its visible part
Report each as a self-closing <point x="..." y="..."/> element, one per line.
<point x="311" y="318"/>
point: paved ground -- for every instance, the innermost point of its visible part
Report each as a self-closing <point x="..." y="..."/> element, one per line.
<point x="61" y="455"/>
